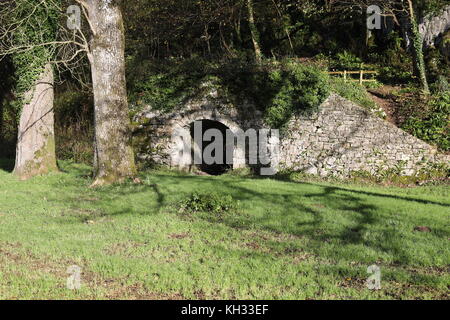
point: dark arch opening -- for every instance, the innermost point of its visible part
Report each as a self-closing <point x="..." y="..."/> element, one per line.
<point x="215" y="168"/>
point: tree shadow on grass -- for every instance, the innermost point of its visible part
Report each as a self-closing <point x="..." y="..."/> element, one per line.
<point x="359" y="222"/>
<point x="102" y="203"/>
<point x="375" y="194"/>
<point x="303" y="210"/>
<point x="78" y="170"/>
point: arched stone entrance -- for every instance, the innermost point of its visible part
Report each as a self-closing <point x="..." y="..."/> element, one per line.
<point x="185" y="152"/>
<point x="338" y="139"/>
<point x="222" y="151"/>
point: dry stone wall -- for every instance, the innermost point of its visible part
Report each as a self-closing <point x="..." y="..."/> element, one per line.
<point x="153" y="136"/>
<point x="344" y="137"/>
<point x="339" y="139"/>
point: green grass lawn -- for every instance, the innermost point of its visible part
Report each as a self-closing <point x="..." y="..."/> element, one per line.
<point x="287" y="240"/>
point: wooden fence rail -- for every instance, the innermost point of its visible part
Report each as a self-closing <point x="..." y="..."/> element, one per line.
<point x="361" y="74"/>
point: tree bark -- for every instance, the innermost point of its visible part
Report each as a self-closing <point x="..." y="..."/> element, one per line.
<point x="35" y="151"/>
<point x="114" y="157"/>
<point x="254" y="31"/>
<point x="1" y="121"/>
<point x="4" y="87"/>
<point x="417" y="50"/>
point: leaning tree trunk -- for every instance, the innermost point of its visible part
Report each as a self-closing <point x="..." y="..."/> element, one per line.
<point x="254" y="31"/>
<point x="35" y="151"/>
<point x="114" y="157"/>
<point x="417" y="50"/>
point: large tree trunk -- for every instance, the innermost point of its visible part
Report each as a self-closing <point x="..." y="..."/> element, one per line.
<point x="254" y="31"/>
<point x="1" y="122"/>
<point x="417" y="50"/>
<point x="35" y="151"/>
<point x="114" y="157"/>
<point x="3" y="89"/>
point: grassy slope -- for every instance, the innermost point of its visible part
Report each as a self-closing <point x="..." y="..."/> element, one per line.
<point x="291" y="240"/>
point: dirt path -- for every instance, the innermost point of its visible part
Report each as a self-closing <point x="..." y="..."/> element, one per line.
<point x="384" y="97"/>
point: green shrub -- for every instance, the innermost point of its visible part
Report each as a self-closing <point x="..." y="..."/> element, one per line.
<point x="433" y="124"/>
<point x="297" y="89"/>
<point x="214" y="203"/>
<point x="166" y="84"/>
<point x="375" y="84"/>
<point x="353" y="92"/>
<point x="440" y="86"/>
<point x="431" y="173"/>
<point x="279" y="90"/>
<point x="214" y="208"/>
<point x="346" y="61"/>
<point x="395" y="63"/>
<point x="394" y="75"/>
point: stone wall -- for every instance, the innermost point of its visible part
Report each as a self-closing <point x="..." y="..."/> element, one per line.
<point x="339" y="139"/>
<point x="343" y="137"/>
<point x="153" y="137"/>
